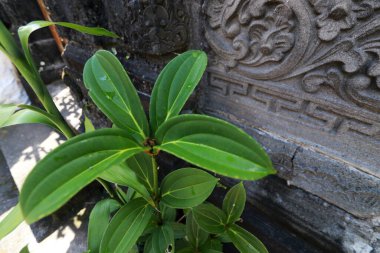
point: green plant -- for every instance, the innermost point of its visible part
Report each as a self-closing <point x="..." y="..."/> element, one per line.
<point x="125" y="155"/>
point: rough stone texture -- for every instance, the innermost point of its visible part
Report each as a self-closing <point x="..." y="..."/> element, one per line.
<point x="300" y="76"/>
<point x="304" y="74"/>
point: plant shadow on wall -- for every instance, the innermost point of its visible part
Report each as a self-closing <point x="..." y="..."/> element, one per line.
<point x="150" y="216"/>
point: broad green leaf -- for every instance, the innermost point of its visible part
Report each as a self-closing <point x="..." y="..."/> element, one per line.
<point x="234" y="203"/>
<point x="215" y="145"/>
<point x="174" y="86"/>
<point x="113" y="92"/>
<point x="142" y="165"/>
<point x="148" y="245"/>
<point x="70" y="167"/>
<point x="168" y="213"/>
<point x="210" y="218"/>
<point x="121" y="174"/>
<point x="24" y="33"/>
<point x="244" y="241"/>
<point x="134" y="249"/>
<point x="179" y="229"/>
<point x="136" y="172"/>
<point x="88" y="126"/>
<point x="99" y="219"/>
<point x="212" y="246"/>
<point x="161" y="241"/>
<point x="224" y="238"/>
<point x="187" y="187"/>
<point x="27" y="115"/>
<point x="126" y="227"/>
<point x="11" y="221"/>
<point x="196" y="236"/>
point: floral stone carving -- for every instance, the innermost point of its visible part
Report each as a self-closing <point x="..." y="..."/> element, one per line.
<point x="306" y="71"/>
<point x="311" y="41"/>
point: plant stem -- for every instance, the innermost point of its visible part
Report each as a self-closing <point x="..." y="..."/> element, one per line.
<point x="155" y="177"/>
<point x="111" y="192"/>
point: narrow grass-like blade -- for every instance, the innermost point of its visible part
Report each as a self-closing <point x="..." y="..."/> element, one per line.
<point x="26" y="115"/>
<point x="25" y="31"/>
<point x="11" y="221"/>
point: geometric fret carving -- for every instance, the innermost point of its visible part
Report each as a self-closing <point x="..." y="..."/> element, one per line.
<point x="309" y="113"/>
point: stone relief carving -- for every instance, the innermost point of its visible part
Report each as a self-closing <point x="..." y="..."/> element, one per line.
<point x="154" y="27"/>
<point x="333" y="44"/>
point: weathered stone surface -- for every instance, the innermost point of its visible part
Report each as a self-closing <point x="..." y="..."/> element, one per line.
<point x="308" y="69"/>
<point x="154" y="27"/>
<point x="300" y="76"/>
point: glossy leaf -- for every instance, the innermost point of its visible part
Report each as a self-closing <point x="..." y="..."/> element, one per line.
<point x="27" y="115"/>
<point x="121" y="174"/>
<point x="168" y="213"/>
<point x="234" y="203"/>
<point x="196" y="236"/>
<point x="244" y="241"/>
<point x="161" y="241"/>
<point x="142" y="165"/>
<point x="179" y="229"/>
<point x="24" y="33"/>
<point x="70" y="167"/>
<point x="174" y="86"/>
<point x="212" y="246"/>
<point x="113" y="92"/>
<point x="126" y="227"/>
<point x="188" y="187"/>
<point x="215" y="145"/>
<point x="210" y="218"/>
<point x="99" y="219"/>
<point x="11" y="221"/>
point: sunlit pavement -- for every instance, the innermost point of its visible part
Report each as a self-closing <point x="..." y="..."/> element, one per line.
<point x="21" y="147"/>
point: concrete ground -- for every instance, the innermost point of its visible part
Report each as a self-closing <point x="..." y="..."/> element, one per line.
<point x="20" y="148"/>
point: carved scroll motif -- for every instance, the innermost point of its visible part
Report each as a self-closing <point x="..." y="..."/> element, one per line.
<point x="331" y="44"/>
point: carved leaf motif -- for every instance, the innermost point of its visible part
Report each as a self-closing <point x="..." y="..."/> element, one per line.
<point x="312" y="82"/>
<point x="214" y="12"/>
<point x="344" y="52"/>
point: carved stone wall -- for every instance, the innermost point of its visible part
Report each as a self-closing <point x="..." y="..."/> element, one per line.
<point x="305" y="74"/>
<point x="301" y="76"/>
